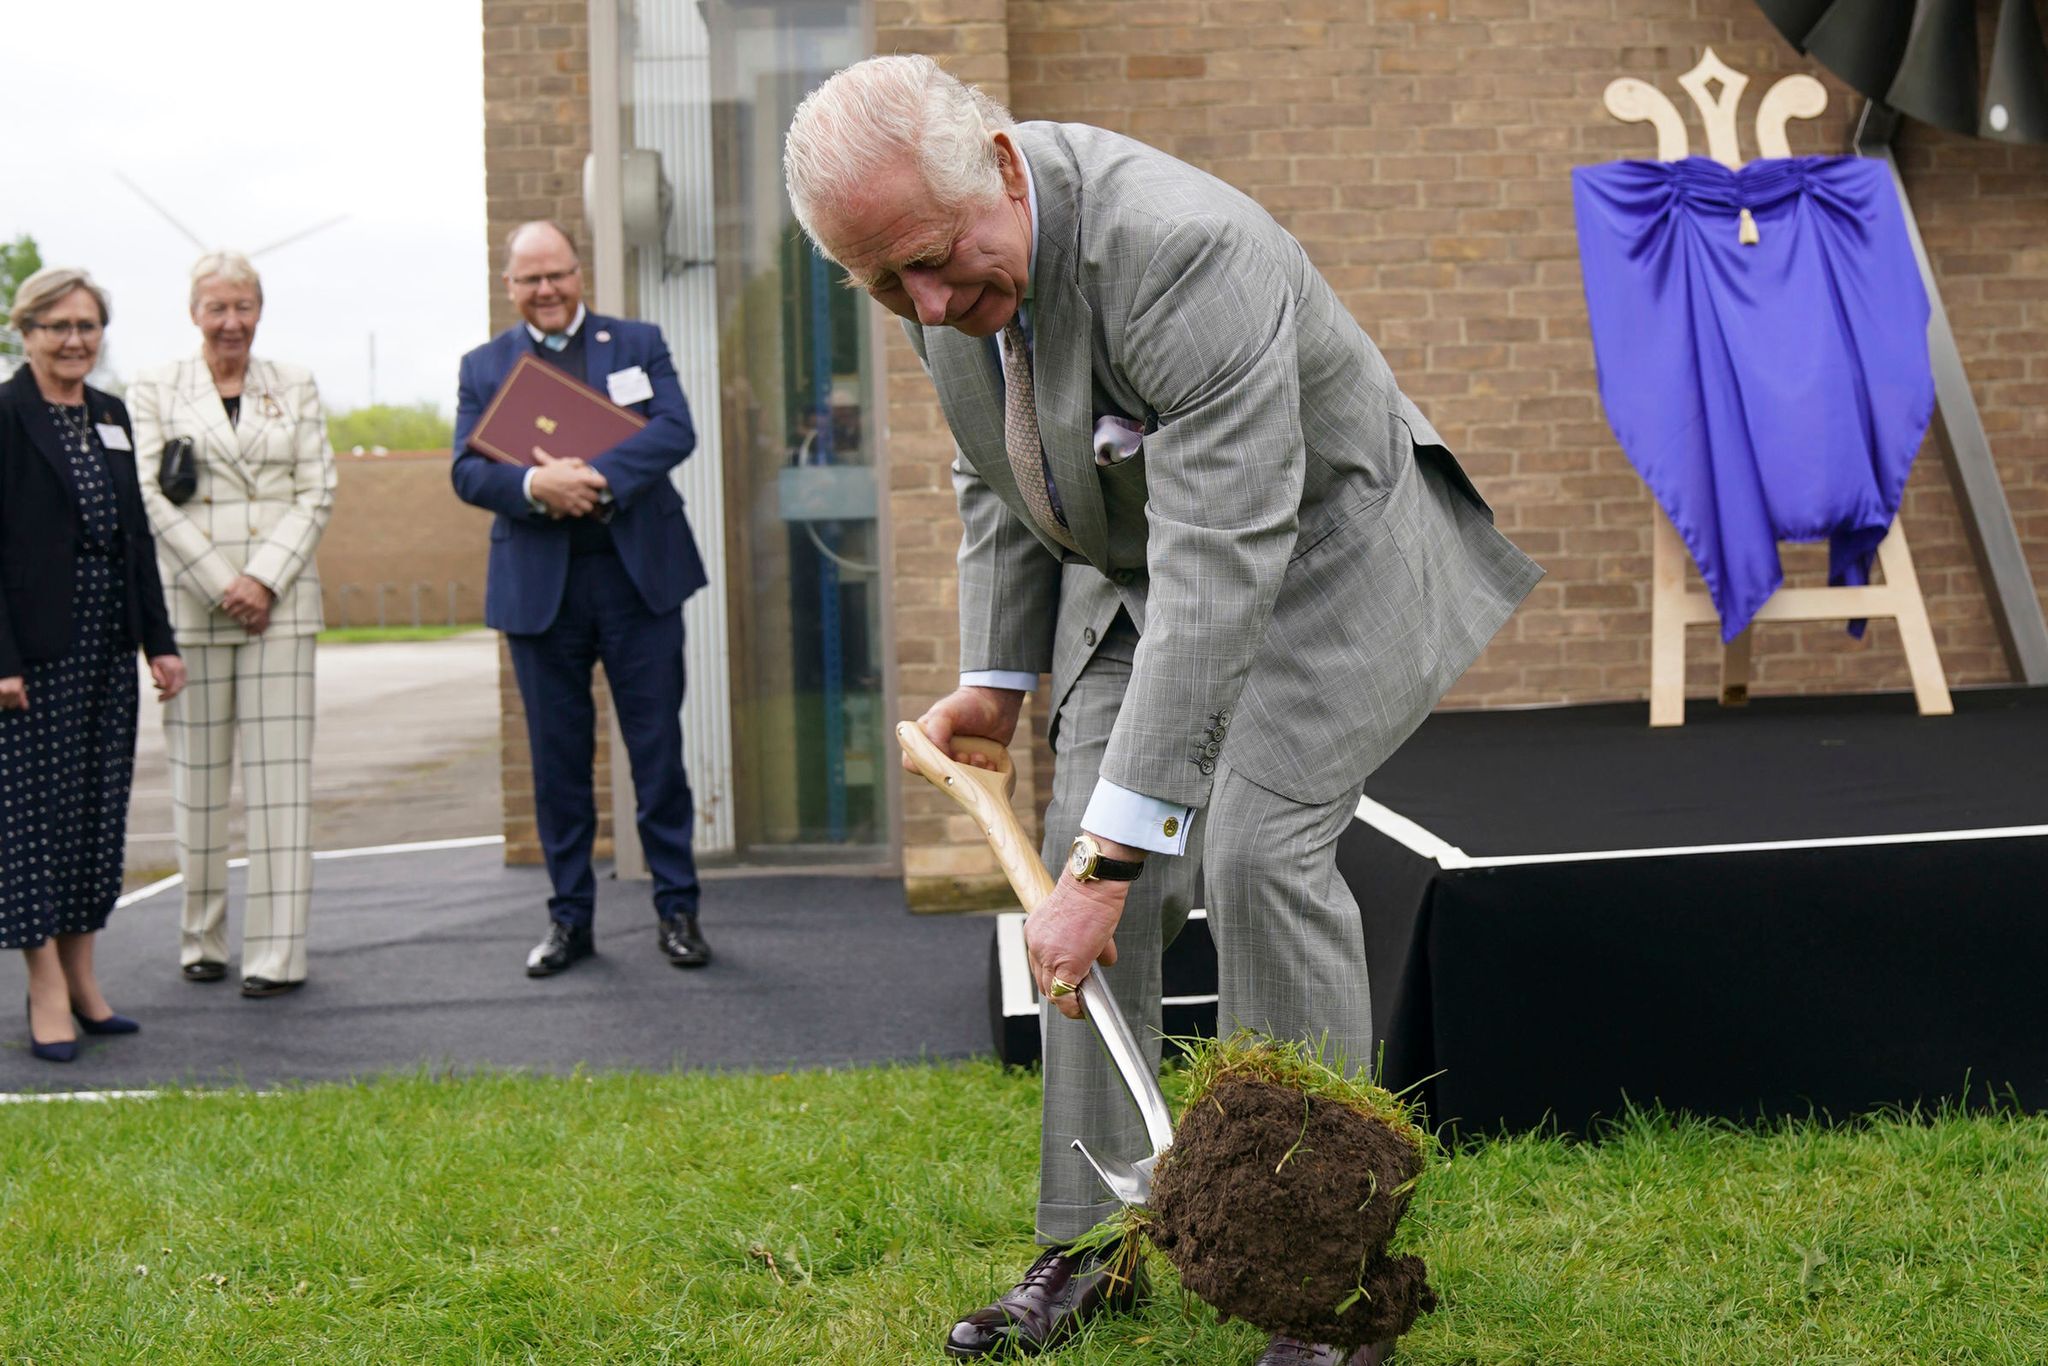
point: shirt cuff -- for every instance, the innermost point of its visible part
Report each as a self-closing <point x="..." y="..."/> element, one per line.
<point x="526" y="490"/>
<point x="1016" y="680"/>
<point x="1135" y="819"/>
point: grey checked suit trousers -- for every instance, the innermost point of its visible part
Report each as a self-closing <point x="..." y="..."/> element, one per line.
<point x="1290" y="948"/>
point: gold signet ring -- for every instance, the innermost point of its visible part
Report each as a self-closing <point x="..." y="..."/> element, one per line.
<point x="1060" y="988"/>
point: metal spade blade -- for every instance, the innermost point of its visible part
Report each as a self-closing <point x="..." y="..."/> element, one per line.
<point x="1129" y="1182"/>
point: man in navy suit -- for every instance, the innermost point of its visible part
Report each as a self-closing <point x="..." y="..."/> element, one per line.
<point x="591" y="562"/>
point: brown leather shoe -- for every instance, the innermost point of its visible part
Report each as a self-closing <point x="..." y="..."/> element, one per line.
<point x="1058" y="1295"/>
<point x="1287" y="1351"/>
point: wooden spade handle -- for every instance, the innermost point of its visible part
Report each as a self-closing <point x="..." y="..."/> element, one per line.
<point x="986" y="795"/>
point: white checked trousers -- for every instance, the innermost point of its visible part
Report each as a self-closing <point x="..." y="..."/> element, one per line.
<point x="263" y="690"/>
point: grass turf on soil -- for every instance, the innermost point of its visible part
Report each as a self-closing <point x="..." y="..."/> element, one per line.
<point x="847" y="1217"/>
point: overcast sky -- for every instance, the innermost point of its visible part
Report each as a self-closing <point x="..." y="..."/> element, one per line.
<point x="251" y="120"/>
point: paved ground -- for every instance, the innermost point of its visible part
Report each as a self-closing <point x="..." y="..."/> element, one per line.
<point x="405" y="748"/>
<point x="418" y="960"/>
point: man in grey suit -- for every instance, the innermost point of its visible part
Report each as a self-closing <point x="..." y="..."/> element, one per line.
<point x="1193" y="492"/>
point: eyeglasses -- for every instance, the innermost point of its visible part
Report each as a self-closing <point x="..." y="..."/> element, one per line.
<point x="553" y="277"/>
<point x="82" y="331"/>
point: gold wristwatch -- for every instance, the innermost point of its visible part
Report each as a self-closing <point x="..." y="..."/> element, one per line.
<point x="1088" y="863"/>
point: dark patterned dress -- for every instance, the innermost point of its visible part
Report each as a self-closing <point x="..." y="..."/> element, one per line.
<point x="66" y="762"/>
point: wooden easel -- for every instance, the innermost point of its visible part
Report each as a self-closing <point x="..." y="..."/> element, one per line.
<point x="1673" y="606"/>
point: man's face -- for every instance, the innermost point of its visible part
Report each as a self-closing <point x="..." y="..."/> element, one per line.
<point x="544" y="280"/>
<point x="960" y="268"/>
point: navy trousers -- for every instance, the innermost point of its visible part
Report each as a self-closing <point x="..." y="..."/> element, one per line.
<point x="602" y="619"/>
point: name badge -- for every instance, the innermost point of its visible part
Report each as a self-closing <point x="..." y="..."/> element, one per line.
<point x="630" y="385"/>
<point x="113" y="437"/>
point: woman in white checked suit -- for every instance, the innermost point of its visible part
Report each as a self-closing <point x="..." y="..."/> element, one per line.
<point x="237" y="563"/>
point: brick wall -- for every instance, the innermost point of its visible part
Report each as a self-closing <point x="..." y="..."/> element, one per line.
<point x="1983" y="211"/>
<point x="398" y="523"/>
<point x="1421" y="150"/>
<point x="536" y="135"/>
<point x="536" y="123"/>
<point x="946" y="863"/>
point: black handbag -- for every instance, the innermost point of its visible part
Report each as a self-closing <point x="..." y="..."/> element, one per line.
<point x="177" y="473"/>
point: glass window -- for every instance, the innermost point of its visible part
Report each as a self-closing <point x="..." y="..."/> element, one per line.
<point x="780" y="382"/>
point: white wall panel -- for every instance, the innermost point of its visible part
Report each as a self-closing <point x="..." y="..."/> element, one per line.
<point x="669" y="90"/>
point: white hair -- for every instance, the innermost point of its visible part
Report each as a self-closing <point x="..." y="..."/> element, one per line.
<point x="52" y="285"/>
<point x="228" y="267"/>
<point x="874" y="113"/>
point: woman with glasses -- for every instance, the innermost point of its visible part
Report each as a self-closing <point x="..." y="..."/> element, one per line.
<point x="78" y="593"/>
<point x="237" y="554"/>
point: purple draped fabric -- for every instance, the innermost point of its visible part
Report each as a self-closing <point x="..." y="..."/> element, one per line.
<point x="1769" y="392"/>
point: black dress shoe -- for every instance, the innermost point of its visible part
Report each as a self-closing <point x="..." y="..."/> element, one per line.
<point x="112" y="1024"/>
<point x="680" y="940"/>
<point x="562" y="948"/>
<point x="1058" y="1295"/>
<point x="263" y="986"/>
<point x="1287" y="1351"/>
<point x="205" y="970"/>
<point x="63" y="1051"/>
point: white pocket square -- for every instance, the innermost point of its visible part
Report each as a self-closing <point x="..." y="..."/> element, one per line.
<point x="1117" y="439"/>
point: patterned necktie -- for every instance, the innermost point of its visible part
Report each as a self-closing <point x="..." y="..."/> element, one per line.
<point x="1020" y="439"/>
<point x="555" y="341"/>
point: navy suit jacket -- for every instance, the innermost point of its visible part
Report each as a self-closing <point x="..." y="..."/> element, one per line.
<point x="530" y="550"/>
<point x="41" y="531"/>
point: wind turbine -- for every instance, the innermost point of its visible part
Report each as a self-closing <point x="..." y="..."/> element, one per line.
<point x="203" y="247"/>
<point x="193" y="237"/>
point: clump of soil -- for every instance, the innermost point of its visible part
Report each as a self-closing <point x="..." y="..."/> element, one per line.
<point x="1277" y="1206"/>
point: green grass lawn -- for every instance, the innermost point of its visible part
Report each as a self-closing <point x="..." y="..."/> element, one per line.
<point x="846" y="1217"/>
<point x="379" y="635"/>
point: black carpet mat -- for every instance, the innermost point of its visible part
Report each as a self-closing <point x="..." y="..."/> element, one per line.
<point x="1574" y="779"/>
<point x="418" y="959"/>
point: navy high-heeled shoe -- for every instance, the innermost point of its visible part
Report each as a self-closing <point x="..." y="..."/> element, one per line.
<point x="113" y="1024"/>
<point x="48" y="1052"/>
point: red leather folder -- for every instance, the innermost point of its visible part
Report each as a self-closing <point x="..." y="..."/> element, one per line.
<point x="539" y="409"/>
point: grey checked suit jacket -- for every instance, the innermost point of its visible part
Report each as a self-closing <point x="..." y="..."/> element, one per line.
<point x="1309" y="568"/>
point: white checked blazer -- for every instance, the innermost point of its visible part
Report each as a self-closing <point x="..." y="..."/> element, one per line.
<point x="266" y="491"/>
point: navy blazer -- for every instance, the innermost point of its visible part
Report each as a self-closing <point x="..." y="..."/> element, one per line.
<point x="530" y="550"/>
<point x="40" y="531"/>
